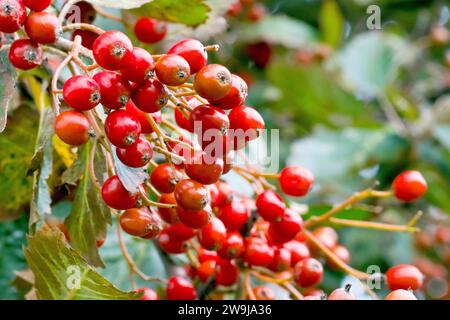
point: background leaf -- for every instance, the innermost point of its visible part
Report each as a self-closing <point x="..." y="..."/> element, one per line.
<point x="331" y="22"/>
<point x="8" y="78"/>
<point x="121" y="4"/>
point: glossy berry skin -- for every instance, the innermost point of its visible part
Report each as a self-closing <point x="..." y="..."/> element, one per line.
<point x="247" y="121"/>
<point x="140" y="222"/>
<point x="137" y="155"/>
<point x="212" y="236"/>
<point x="308" y="272"/>
<point x="172" y="70"/>
<point x="401" y="294"/>
<point x="207" y="117"/>
<point x="149" y="30"/>
<point x="260" y="53"/>
<point x="140" y="66"/>
<point x="342" y="294"/>
<point x="81" y="93"/>
<point x="342" y="253"/>
<point x="213" y="82"/>
<point x="180" y="289"/>
<point x="404" y="276"/>
<point x="409" y="186"/>
<point x="234" y="215"/>
<point x="195" y="219"/>
<point x="115" y="91"/>
<point x="72" y="127"/>
<point x="169" y="215"/>
<point x="42" y="27"/>
<point x="122" y="129"/>
<point x="264" y="293"/>
<point x="148" y="294"/>
<point x="112" y="50"/>
<point x="206" y="255"/>
<point x="191" y="195"/>
<point x="221" y="194"/>
<point x="299" y="251"/>
<point x="327" y="236"/>
<point x="182" y="121"/>
<point x="296" y="181"/>
<point x="270" y="206"/>
<point x="116" y="196"/>
<point x="281" y="260"/>
<point x="192" y="51"/>
<point x="164" y="178"/>
<point x="87" y="37"/>
<point x="227" y="273"/>
<point x="290" y="224"/>
<point x="151" y="96"/>
<point x="232" y="247"/>
<point x="24" y="54"/>
<point x="258" y="253"/>
<point x="180" y="232"/>
<point x="170" y="245"/>
<point x="146" y="128"/>
<point x="203" y="168"/>
<point x="37" y="5"/>
<point x="12" y="15"/>
<point x="237" y="95"/>
<point x="206" y="270"/>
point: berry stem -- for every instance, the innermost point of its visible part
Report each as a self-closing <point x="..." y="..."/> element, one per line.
<point x="149" y="202"/>
<point x="373" y="225"/>
<point x="55" y="90"/>
<point x="248" y="286"/>
<point x="83" y="26"/>
<point x="106" y="14"/>
<point x="92" y="165"/>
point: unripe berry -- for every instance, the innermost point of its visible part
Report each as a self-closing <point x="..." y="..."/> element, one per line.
<point x="237" y="95"/>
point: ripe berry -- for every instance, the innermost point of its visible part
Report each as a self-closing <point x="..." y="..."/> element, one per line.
<point x="206" y="270"/>
<point x="12" y="15"/>
<point x="296" y="181"/>
<point x="232" y="246"/>
<point x="342" y="253"/>
<point x="192" y="51"/>
<point x="281" y="260"/>
<point x="116" y="196"/>
<point x="342" y="294"/>
<point x="227" y="273"/>
<point x="289" y="225"/>
<point x="409" y="186"/>
<point x="206" y="117"/>
<point x="115" y="91"/>
<point x="137" y="155"/>
<point x="170" y="245"/>
<point x="237" y="95"/>
<point x="164" y="178"/>
<point x="213" y="82"/>
<point x="212" y="236"/>
<point x="42" y="27"/>
<point x="81" y="93"/>
<point x="263" y="293"/>
<point x="270" y="206"/>
<point x="308" y="272"/>
<point x="404" y="276"/>
<point x="221" y="194"/>
<point x="81" y="12"/>
<point x="122" y="129"/>
<point x="401" y="294"/>
<point x="169" y="215"/>
<point x="258" y="253"/>
<point x="72" y="127"/>
<point x="146" y="128"/>
<point x="260" y="53"/>
<point x="234" y="215"/>
<point x="203" y="168"/>
<point x="37" y="5"/>
<point x="247" y="124"/>
<point x="180" y="289"/>
<point x="172" y="70"/>
<point x="112" y="50"/>
<point x="148" y="294"/>
<point x="87" y="37"/>
<point x="191" y="195"/>
<point x="149" y="30"/>
<point x="206" y="255"/>
<point x="180" y="232"/>
<point x="327" y="236"/>
<point x="139" y="67"/>
<point x="195" y="219"/>
<point x="140" y="222"/>
<point x="151" y="96"/>
<point x="182" y="121"/>
<point x="24" y="54"/>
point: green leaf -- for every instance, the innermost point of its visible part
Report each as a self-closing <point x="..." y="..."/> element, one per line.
<point x="352" y="214"/>
<point x="189" y="12"/>
<point x="331" y="22"/>
<point x="89" y="217"/>
<point x="121" y="4"/>
<point x="62" y="274"/>
<point x="131" y="178"/>
<point x="442" y="134"/>
<point x="17" y="148"/>
<point x="8" y="78"/>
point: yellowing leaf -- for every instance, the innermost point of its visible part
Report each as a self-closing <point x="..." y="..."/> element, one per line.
<point x="331" y="22"/>
<point x="64" y="151"/>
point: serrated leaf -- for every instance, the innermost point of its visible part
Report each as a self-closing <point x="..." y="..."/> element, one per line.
<point x="331" y="22"/>
<point x="62" y="274"/>
<point x="121" y="4"/>
<point x="8" y="78"/>
<point x="188" y="12"/>
<point x="89" y="217"/>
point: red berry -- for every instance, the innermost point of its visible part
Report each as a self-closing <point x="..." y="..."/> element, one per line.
<point x="180" y="232"/>
<point x="148" y="294"/>
<point x="42" y="27"/>
<point x="140" y="222"/>
<point x="221" y="194"/>
<point x="150" y="30"/>
<point x="213" y="82"/>
<point x="296" y="181"/>
<point x="237" y="95"/>
<point x="234" y="215"/>
<point x="281" y="260"/>
<point x="258" y="253"/>
<point x="72" y="127"/>
<point x="206" y="117"/>
<point x="112" y="50"/>
<point x="227" y="273"/>
<point x="409" y="186"/>
<point x="257" y="12"/>
<point x="342" y="294"/>
<point x="139" y="67"/>
<point x="12" y="15"/>
<point x="263" y="293"/>
<point x="206" y="255"/>
<point x="116" y="196"/>
<point x="206" y="270"/>
<point x="212" y="236"/>
<point x="81" y="93"/>
<point x="232" y="246"/>
<point x="81" y="12"/>
<point x="270" y="206"/>
<point x="401" y="294"/>
<point x="169" y="215"/>
<point x="146" y="128"/>
<point x="172" y="70"/>
<point x="115" y="91"/>
<point x="260" y="53"/>
<point x="151" y="96"/>
<point x="191" y="195"/>
<point x="164" y="178"/>
<point x="193" y="52"/>
<point x="203" y="168"/>
<point x="404" y="276"/>
<point x="37" y="5"/>
<point x="289" y="225"/>
<point x="327" y="236"/>
<point x="170" y="245"/>
<point x="342" y="253"/>
<point x="180" y="289"/>
<point x="137" y="155"/>
<point x="87" y="37"/>
<point x="308" y="272"/>
<point x="195" y="219"/>
<point x="182" y="121"/>
<point x="24" y="54"/>
<point x="247" y="125"/>
<point x="122" y="129"/>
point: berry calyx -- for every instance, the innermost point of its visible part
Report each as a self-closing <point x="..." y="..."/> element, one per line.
<point x="270" y="206"/>
<point x="296" y="181"/>
<point x="404" y="276"/>
<point x="115" y="91"/>
<point x="81" y="93"/>
<point x="140" y="222"/>
<point x="409" y="186"/>
<point x="212" y="236"/>
<point x="165" y="177"/>
<point x="72" y="127"/>
<point x="191" y="195"/>
<point x="42" y="27"/>
<point x="122" y="129"/>
<point x="172" y="70"/>
<point x="137" y="155"/>
<point x="263" y="293"/>
<point x="180" y="289"/>
<point x="139" y="67"/>
<point x="12" y="15"/>
<point x="308" y="272"/>
<point x="37" y="5"/>
<point x="213" y="82"/>
<point x="149" y="30"/>
<point x="148" y="294"/>
<point x="151" y="96"/>
<point x="192" y="51"/>
<point x="112" y="50"/>
<point x="116" y="195"/>
<point x="24" y="54"/>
